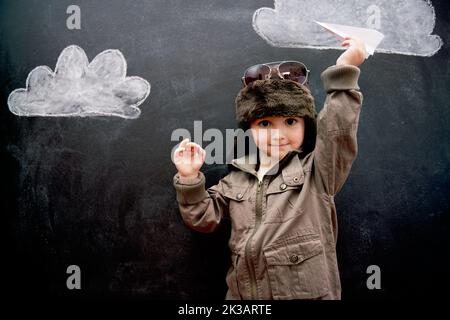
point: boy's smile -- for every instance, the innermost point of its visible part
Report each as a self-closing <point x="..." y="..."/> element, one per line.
<point x="276" y="135"/>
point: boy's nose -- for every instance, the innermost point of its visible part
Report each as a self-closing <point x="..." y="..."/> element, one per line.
<point x="276" y="135"/>
<point x="274" y="74"/>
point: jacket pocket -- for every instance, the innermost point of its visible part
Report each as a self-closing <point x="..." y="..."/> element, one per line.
<point x="284" y="205"/>
<point x="232" y="279"/>
<point x="237" y="194"/>
<point x="296" y="268"/>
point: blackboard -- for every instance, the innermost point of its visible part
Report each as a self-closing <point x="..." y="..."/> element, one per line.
<point x="97" y="192"/>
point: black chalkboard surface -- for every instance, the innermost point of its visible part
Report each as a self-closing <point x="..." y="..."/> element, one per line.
<point x="96" y="191"/>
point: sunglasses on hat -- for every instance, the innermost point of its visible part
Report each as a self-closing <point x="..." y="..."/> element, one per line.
<point x="288" y="70"/>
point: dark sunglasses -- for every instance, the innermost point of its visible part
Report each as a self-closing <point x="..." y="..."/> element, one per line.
<point x="289" y="70"/>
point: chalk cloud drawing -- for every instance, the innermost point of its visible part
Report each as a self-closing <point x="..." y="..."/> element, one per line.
<point x="79" y="88"/>
<point x="406" y="24"/>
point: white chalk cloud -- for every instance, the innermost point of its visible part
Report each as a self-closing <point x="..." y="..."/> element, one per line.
<point x="80" y="88"/>
<point x="406" y="24"/>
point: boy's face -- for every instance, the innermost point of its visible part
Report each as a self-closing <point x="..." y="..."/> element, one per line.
<point x="276" y="136"/>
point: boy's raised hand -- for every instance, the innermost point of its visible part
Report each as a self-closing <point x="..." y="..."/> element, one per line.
<point x="355" y="53"/>
<point x="188" y="158"/>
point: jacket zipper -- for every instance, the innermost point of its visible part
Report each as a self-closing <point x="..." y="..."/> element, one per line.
<point x="258" y="218"/>
<point x="248" y="258"/>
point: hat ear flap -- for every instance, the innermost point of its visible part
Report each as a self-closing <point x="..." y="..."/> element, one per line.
<point x="309" y="140"/>
<point x="244" y="125"/>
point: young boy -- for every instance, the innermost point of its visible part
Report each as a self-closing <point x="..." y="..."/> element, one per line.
<point x="282" y="211"/>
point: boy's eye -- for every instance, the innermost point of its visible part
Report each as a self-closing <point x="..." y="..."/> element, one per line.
<point x="291" y="121"/>
<point x="264" y="123"/>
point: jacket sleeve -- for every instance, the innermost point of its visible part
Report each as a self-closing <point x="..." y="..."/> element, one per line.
<point x="337" y="124"/>
<point x="202" y="210"/>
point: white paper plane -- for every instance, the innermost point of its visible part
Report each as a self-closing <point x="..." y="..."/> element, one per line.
<point x="371" y="37"/>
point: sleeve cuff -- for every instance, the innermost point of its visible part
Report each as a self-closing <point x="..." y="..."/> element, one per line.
<point x="190" y="190"/>
<point x="344" y="77"/>
<point x="187" y="181"/>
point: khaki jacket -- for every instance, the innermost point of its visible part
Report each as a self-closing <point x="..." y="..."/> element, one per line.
<point x="284" y="229"/>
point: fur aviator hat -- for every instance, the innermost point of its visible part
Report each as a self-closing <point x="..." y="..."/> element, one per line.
<point x="263" y="98"/>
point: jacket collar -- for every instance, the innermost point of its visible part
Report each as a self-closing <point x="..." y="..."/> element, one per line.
<point x="290" y="165"/>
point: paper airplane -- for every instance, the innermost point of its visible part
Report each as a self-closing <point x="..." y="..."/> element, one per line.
<point x="371" y="37"/>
